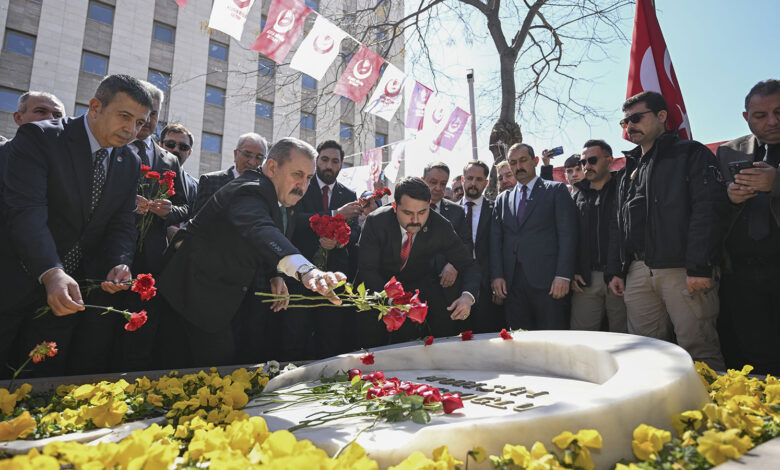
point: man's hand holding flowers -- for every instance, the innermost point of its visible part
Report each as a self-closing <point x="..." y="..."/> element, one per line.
<point x="323" y="283"/>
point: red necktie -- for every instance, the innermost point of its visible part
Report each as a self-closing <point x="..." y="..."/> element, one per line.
<point x="325" y="203"/>
<point x="405" y="249"/>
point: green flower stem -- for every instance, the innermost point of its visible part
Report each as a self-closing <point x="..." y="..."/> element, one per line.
<point x="354" y="439"/>
<point x="17" y="372"/>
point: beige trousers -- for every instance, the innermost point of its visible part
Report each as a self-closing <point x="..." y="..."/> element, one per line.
<point x="659" y="306"/>
<point x="596" y="300"/>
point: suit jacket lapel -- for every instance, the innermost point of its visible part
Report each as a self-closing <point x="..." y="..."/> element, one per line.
<point x="536" y="194"/>
<point x="81" y="157"/>
<point x="395" y="240"/>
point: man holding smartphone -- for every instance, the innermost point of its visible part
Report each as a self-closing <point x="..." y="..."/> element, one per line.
<point x="750" y="302"/>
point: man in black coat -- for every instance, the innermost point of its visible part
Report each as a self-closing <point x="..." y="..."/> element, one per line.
<point x="238" y="233"/>
<point x="69" y="191"/>
<point x="332" y="326"/>
<point x="400" y="240"/>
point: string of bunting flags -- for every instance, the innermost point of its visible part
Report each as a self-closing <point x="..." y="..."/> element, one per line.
<point x="318" y="50"/>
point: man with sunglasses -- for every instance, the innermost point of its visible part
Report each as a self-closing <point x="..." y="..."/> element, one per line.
<point x="592" y="302"/>
<point x="670" y="223"/>
<point x="178" y="140"/>
<point x="249" y="154"/>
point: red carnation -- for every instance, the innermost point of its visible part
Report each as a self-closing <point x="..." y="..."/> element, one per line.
<point x="394" y="289"/>
<point x="152" y="175"/>
<point x="135" y="321"/>
<point x="418" y="310"/>
<point x="428" y="340"/>
<point x="144" y="286"/>
<point x="467" y="335"/>
<point x="451" y="402"/>
<point x="405" y="299"/>
<point x="43" y="350"/>
<point x="353" y="372"/>
<point x="368" y="359"/>
<point x="394" y="319"/>
<point x="504" y="334"/>
<point x="386" y="191"/>
<point x="145" y="168"/>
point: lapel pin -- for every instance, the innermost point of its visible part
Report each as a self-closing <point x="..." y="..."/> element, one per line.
<point x="425" y="229"/>
<point x="119" y="159"/>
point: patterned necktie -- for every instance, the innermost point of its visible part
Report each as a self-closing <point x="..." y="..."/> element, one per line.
<point x="325" y="202"/>
<point x="523" y="203"/>
<point x="433" y="207"/>
<point x="142" y="152"/>
<point x="405" y="249"/>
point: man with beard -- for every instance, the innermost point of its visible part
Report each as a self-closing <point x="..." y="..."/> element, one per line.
<point x="506" y="177"/>
<point x="457" y="189"/>
<point x="400" y="240"/>
<point x="237" y="234"/>
<point x="672" y="209"/>
<point x="533" y="244"/>
<point x="487" y="315"/>
<point x="332" y="326"/>
<point x="592" y="302"/>
<point x="248" y="155"/>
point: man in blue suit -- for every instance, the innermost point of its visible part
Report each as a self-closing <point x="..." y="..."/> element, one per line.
<point x="533" y="244"/>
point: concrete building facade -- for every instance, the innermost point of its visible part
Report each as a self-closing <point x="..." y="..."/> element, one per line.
<point x="215" y="85"/>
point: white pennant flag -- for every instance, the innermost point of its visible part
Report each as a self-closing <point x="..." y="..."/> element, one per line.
<point x="396" y="156"/>
<point x="318" y="48"/>
<point x="229" y="16"/>
<point x="388" y="93"/>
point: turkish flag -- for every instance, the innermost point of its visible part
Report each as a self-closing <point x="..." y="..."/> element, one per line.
<point x="282" y="28"/>
<point x="360" y="75"/>
<point x="651" y="68"/>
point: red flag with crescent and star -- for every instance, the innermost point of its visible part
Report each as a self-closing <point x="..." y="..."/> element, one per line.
<point x="361" y="74"/>
<point x="651" y="68"/>
<point x="282" y="28"/>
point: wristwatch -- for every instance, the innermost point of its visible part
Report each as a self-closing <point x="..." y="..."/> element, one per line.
<point x="303" y="270"/>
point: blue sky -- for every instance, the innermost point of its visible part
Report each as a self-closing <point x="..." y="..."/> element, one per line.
<point x="719" y="49"/>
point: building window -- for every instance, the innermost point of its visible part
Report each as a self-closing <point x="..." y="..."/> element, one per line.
<point x="159" y="79"/>
<point x="380" y="34"/>
<point x="307" y="121"/>
<point x="346" y="131"/>
<point x="94" y="63"/>
<point x="81" y="109"/>
<point x="19" y="43"/>
<point x="163" y="33"/>
<point x="215" y="96"/>
<point x="218" y="51"/>
<point x="264" y="109"/>
<point x="266" y="67"/>
<point x="380" y="140"/>
<point x="308" y="82"/>
<point x="211" y="143"/>
<point x="9" y="99"/>
<point x="263" y="19"/>
<point x="313" y="4"/>
<point x="101" y="13"/>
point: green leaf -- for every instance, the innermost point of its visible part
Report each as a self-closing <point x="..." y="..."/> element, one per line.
<point x="421" y="417"/>
<point x="362" y="289"/>
<point x="348" y="288"/>
<point x="396" y="415"/>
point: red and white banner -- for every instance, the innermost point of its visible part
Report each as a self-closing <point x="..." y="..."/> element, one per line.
<point x="229" y="16"/>
<point x="181" y="3"/>
<point x="282" y="28"/>
<point x="651" y="68"/>
<point x="453" y="130"/>
<point x="318" y="49"/>
<point x="373" y="158"/>
<point x="388" y="93"/>
<point x="437" y="110"/>
<point x="360" y="75"/>
<point x="396" y="157"/>
<point x="420" y="96"/>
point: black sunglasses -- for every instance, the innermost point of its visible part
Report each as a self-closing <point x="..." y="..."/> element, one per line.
<point x="634" y="118"/>
<point x="171" y="144"/>
<point x="589" y="160"/>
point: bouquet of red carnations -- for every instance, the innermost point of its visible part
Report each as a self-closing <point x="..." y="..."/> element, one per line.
<point x="333" y="227"/>
<point x="163" y="189"/>
<point x="378" y="194"/>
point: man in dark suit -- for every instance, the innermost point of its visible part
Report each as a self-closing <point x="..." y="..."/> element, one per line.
<point x="436" y="175"/>
<point x="238" y="233"/>
<point x="326" y="196"/>
<point x="69" y="191"/>
<point x="399" y="240"/>
<point x="486" y="315"/>
<point x="248" y="155"/>
<point x="178" y="140"/>
<point x="749" y="322"/>
<point x="533" y="246"/>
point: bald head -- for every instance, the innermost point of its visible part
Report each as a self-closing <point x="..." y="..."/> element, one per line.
<point x="38" y="106"/>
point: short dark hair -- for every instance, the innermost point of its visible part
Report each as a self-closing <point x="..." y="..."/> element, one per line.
<point x="280" y="152"/>
<point x="413" y="187"/>
<point x="478" y="163"/>
<point x="176" y="129"/>
<point x="572" y="161"/>
<point x="331" y="144"/>
<point x="132" y="87"/>
<point x="598" y="143"/>
<point x="436" y="166"/>
<point x="520" y="145"/>
<point x="654" y="101"/>
<point x="764" y="88"/>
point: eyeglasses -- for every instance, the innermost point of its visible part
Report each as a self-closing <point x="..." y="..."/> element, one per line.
<point x="249" y="154"/>
<point x="589" y="161"/>
<point x="634" y="118"/>
<point x="171" y="144"/>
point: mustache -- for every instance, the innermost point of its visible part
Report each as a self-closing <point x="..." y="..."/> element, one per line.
<point x="413" y="225"/>
<point x="297" y="192"/>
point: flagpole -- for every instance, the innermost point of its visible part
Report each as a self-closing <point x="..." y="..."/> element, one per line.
<point x="470" y="79"/>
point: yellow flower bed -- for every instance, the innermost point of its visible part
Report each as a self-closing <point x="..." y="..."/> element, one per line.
<point x="205" y="424"/>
